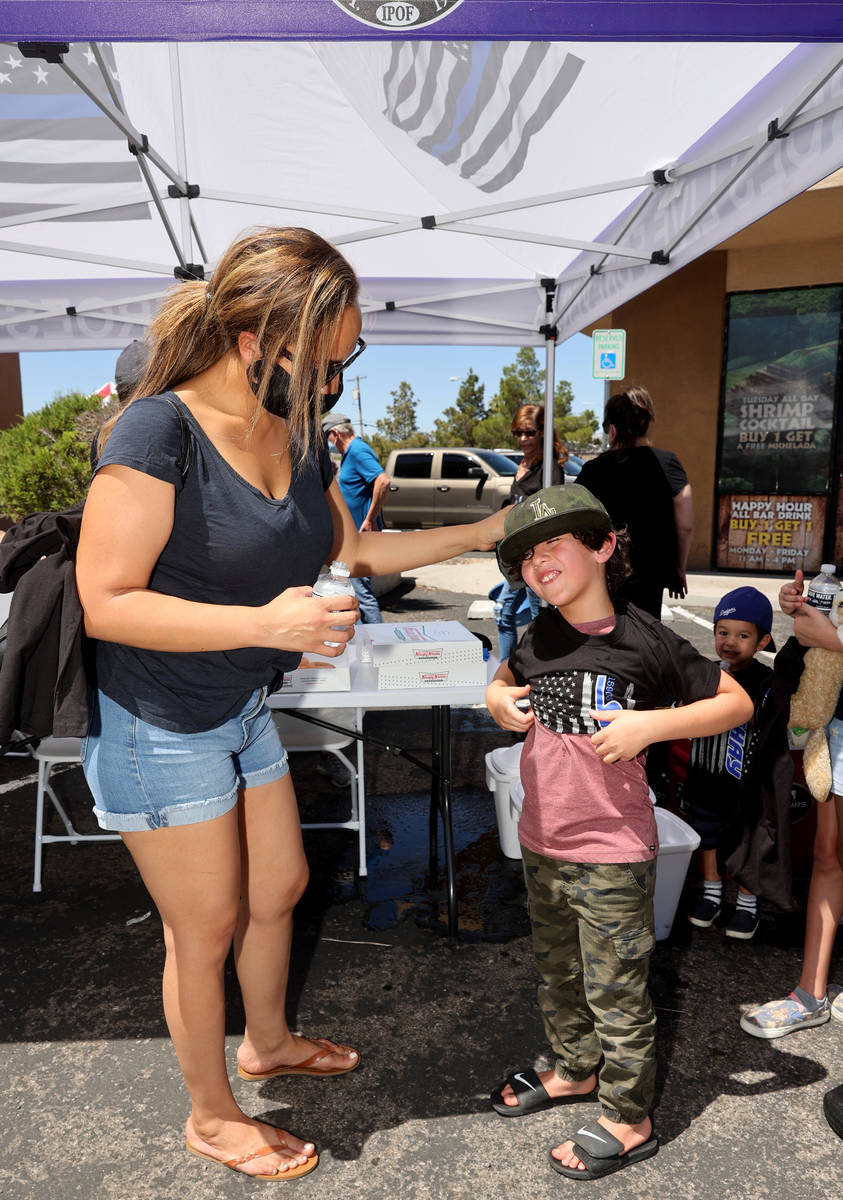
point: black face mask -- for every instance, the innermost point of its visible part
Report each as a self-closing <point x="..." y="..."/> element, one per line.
<point x="277" y="401"/>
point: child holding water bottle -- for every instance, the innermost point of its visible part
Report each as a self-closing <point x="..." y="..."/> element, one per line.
<point x="813" y="1002"/>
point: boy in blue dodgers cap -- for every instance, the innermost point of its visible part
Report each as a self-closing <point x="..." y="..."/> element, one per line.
<point x="719" y="766"/>
<point x="599" y="677"/>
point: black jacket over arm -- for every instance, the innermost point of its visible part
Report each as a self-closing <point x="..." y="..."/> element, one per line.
<point x="43" y="689"/>
<point x="758" y="852"/>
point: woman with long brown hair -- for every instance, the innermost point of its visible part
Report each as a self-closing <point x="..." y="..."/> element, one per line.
<point x="528" y="431"/>
<point x="195" y="579"/>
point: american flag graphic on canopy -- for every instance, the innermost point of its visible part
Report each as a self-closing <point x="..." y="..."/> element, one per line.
<point x="56" y="146"/>
<point x="476" y="105"/>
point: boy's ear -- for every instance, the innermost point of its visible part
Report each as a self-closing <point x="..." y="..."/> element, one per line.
<point x="608" y="548"/>
<point x="763" y="642"/>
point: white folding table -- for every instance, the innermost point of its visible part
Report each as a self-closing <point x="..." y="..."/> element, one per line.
<point x="364" y="695"/>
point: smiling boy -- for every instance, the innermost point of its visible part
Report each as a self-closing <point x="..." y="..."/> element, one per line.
<point x="599" y="682"/>
<point x="718" y="766"/>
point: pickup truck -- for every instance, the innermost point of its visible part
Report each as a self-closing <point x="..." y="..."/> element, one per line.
<point x="450" y="485"/>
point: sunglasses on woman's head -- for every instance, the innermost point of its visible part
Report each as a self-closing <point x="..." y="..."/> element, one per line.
<point x="519" y="433"/>
<point x="335" y="367"/>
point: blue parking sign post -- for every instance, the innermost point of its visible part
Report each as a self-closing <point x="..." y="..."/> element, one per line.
<point x="608" y="353"/>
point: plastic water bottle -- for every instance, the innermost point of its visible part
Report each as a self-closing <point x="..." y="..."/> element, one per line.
<point x="336" y="583"/>
<point x="823" y="588"/>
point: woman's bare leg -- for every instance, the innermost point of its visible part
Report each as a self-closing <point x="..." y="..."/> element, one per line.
<point x="274" y="875"/>
<point x="192" y="873"/>
<point x="825" y="898"/>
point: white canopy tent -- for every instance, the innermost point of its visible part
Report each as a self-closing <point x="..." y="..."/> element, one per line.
<point x="487" y="192"/>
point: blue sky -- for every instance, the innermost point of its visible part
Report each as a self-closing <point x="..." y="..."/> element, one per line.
<point x="433" y="372"/>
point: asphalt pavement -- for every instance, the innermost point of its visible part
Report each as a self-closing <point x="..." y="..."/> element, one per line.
<point x="94" y="1105"/>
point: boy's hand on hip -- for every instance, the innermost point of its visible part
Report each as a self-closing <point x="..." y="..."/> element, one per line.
<point x="624" y="735"/>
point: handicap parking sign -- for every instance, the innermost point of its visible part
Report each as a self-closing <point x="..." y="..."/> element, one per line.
<point x="608" y="354"/>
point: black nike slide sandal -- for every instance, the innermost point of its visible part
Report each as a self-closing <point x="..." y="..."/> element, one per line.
<point x="531" y="1096"/>
<point x="602" y="1153"/>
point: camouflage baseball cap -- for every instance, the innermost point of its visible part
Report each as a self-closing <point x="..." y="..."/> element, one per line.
<point x="546" y="514"/>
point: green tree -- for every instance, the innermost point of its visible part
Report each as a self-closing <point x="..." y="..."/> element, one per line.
<point x="563" y="400"/>
<point x="400" y="425"/>
<point x="577" y="430"/>
<point x="401" y="420"/>
<point x="522" y="382"/>
<point x="45" y="459"/>
<point x="493" y="431"/>
<point x="456" y="425"/>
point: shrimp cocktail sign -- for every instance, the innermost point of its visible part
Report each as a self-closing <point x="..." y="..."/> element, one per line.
<point x="779" y="417"/>
<point x="396" y="15"/>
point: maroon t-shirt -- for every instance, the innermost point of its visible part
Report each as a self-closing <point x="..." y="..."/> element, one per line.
<point x="577" y="807"/>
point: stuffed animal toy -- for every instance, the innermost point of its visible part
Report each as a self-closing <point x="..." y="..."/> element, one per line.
<point x="813" y="705"/>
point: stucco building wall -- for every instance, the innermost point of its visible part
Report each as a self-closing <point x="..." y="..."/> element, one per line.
<point x="675" y="331"/>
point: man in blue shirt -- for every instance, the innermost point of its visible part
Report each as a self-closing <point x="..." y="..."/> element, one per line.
<point x="364" y="484"/>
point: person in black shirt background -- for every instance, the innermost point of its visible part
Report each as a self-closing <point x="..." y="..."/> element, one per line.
<point x="646" y="492"/>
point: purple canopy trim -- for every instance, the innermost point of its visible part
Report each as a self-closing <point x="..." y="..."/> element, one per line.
<point x="514" y="20"/>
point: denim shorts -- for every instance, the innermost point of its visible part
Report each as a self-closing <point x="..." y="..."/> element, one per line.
<point x="834" y="734"/>
<point x="145" y="777"/>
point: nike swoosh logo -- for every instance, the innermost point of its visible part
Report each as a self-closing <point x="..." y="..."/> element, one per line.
<point x="526" y="1082"/>
<point x="588" y="1133"/>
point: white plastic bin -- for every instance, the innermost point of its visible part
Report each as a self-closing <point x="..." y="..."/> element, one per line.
<point x="503" y="779"/>
<point x="677" y="842"/>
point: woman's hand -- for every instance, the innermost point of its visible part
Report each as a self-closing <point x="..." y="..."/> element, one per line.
<point x="500" y="701"/>
<point x="490" y="530"/>
<point x="791" y="599"/>
<point x="625" y="734"/>
<point x="811" y="627"/>
<point x="298" y="620"/>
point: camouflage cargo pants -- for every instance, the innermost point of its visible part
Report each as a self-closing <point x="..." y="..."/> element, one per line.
<point x="592" y="937"/>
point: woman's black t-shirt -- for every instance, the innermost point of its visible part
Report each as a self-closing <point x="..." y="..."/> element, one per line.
<point x="230" y="544"/>
<point x="637" y="485"/>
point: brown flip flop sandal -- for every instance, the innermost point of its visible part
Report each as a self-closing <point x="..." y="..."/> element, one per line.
<point x="308" y="1066"/>
<point x="234" y="1164"/>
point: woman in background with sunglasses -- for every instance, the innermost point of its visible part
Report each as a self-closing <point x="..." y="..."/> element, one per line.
<point x="195" y="577"/>
<point x="528" y="431"/>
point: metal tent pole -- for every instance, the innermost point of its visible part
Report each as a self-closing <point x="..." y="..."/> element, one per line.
<point x="549" y="389"/>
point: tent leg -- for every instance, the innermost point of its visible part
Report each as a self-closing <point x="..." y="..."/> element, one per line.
<point x="549" y="389"/>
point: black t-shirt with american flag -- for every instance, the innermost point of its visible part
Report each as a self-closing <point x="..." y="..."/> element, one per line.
<point x="640" y="664"/>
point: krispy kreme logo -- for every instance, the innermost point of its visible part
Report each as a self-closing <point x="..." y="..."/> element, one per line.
<point x="397" y="15"/>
